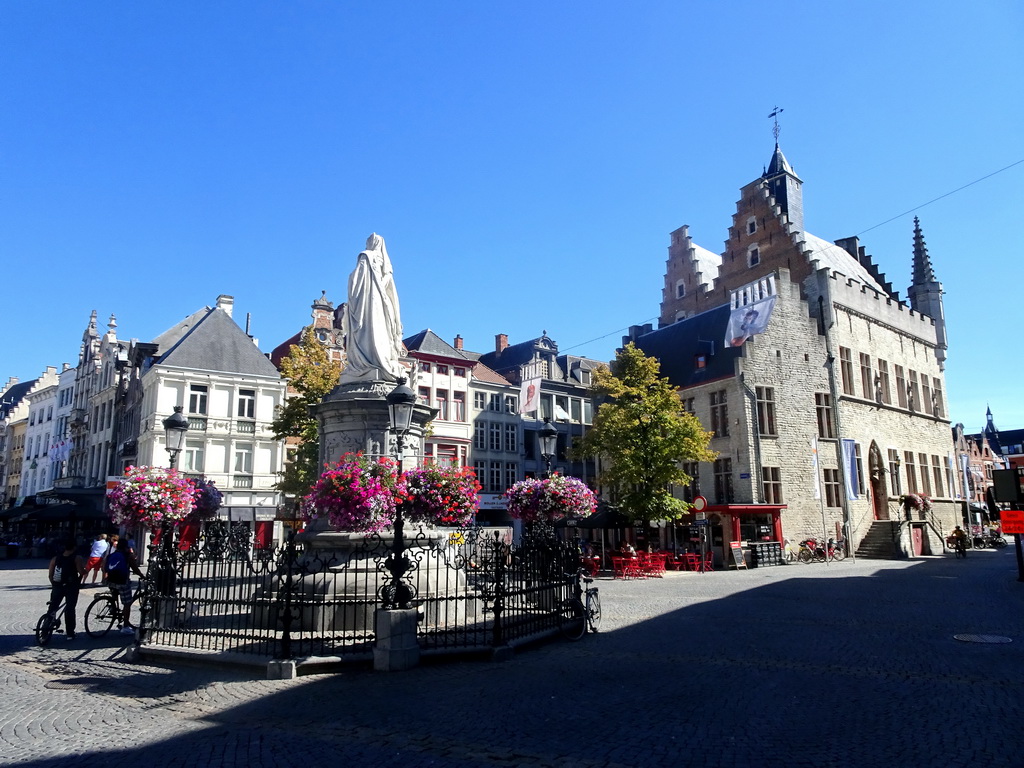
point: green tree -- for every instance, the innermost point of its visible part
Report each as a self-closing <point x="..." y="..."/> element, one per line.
<point x="311" y="374"/>
<point x="643" y="434"/>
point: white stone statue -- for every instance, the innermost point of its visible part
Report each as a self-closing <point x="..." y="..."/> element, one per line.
<point x="371" y="321"/>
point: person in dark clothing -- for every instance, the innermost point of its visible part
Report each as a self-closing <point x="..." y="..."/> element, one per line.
<point x="65" y="573"/>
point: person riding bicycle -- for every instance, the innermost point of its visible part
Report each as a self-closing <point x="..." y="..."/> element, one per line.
<point x="117" y="570"/>
<point x="960" y="541"/>
<point x="65" y="573"/>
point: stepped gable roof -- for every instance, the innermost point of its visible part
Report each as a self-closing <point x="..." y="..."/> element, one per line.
<point x="482" y="373"/>
<point x="209" y="340"/>
<point x="13" y="395"/>
<point x="429" y="343"/>
<point x="838" y="259"/>
<point x="677" y="346"/>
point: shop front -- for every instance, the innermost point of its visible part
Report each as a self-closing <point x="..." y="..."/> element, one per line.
<point x="756" y="527"/>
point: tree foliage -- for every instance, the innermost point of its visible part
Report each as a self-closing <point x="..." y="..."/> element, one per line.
<point x="311" y="374"/>
<point x="643" y="434"/>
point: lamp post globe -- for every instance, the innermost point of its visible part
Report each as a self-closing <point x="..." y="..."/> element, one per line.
<point x="175" y="427"/>
<point x="548" y="436"/>
<point x="401" y="403"/>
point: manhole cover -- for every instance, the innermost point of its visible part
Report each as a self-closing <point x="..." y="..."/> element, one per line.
<point x="982" y="639"/>
<point x="77" y="684"/>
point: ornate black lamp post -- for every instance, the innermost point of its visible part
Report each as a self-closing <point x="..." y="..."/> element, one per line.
<point x="175" y="427"/>
<point x="548" y="436"/>
<point x="401" y="402"/>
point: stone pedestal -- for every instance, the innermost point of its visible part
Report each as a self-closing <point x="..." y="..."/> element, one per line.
<point x="396" y="648"/>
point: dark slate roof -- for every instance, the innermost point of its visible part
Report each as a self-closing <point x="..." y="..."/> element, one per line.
<point x="513" y="356"/>
<point x="214" y="342"/>
<point x="429" y="343"/>
<point x="676" y="346"/>
<point x="13" y="395"/>
<point x="778" y="164"/>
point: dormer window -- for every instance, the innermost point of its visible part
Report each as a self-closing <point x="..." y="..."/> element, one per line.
<point x="753" y="256"/>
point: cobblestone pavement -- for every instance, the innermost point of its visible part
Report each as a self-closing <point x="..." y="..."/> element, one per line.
<point x="848" y="664"/>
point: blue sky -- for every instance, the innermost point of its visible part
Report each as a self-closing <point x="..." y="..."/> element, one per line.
<point x="525" y="161"/>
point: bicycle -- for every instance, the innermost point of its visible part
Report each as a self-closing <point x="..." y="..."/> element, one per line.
<point x="105" y="610"/>
<point x="576" y="615"/>
<point x="49" y="623"/>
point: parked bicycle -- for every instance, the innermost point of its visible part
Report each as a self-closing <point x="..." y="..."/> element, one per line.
<point x="49" y="623"/>
<point x="582" y="611"/>
<point x="812" y="551"/>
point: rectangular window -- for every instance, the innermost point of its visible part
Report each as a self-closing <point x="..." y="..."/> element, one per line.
<point x="723" y="481"/>
<point x="442" y="370"/>
<point x="901" y="387"/>
<point x="846" y="366"/>
<point x="911" y="469"/>
<point x="832" y="498"/>
<point x="823" y="406"/>
<point x="495" y="476"/>
<point x="913" y="393"/>
<point x="751" y="225"/>
<point x="511" y="404"/>
<point x="511" y="438"/>
<point x="692" y="491"/>
<point x="197" y="396"/>
<point x="937" y="476"/>
<point x="480" y="435"/>
<point x="766" y="411"/>
<point x="494" y="403"/>
<point x="753" y="256"/>
<point x="588" y="412"/>
<point x="884" y="395"/>
<point x="495" y="436"/>
<point x="459" y="371"/>
<point x="688" y="405"/>
<point x="511" y="474"/>
<point x="576" y="410"/>
<point x="938" y="409"/>
<point x="926" y="483"/>
<point x="926" y="396"/>
<point x="441" y="400"/>
<point x="479" y="400"/>
<point x="719" y="413"/>
<point x="480" y="469"/>
<point x="771" y="482"/>
<point x="423" y="396"/>
<point x="867" y="379"/>
<point x="243" y="458"/>
<point x="458" y="406"/>
<point x="194" y="457"/>
<point x="247" y="403"/>
<point x="425" y="367"/>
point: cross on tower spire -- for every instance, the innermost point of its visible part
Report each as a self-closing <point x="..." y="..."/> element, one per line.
<point x="775" y="116"/>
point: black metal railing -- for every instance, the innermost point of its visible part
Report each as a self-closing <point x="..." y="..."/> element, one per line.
<point x="474" y="590"/>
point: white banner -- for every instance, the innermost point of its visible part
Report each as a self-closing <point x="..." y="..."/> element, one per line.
<point x="748" y="320"/>
<point x="529" y="396"/>
<point x="850" y="465"/>
<point x="814" y="467"/>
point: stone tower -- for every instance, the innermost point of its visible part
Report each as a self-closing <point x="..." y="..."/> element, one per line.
<point x="925" y="293"/>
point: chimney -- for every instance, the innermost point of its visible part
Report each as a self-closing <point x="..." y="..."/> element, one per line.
<point x="65" y="367"/>
<point x="500" y="342"/>
<point x="458" y="343"/>
<point x="227" y="303"/>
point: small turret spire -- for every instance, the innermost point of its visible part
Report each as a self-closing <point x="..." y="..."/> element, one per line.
<point x="923" y="272"/>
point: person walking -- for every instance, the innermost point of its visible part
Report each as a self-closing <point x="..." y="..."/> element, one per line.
<point x="66" y="573"/>
<point x="96" y="555"/>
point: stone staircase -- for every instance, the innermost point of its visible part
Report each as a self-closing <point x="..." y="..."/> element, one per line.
<point x="881" y="541"/>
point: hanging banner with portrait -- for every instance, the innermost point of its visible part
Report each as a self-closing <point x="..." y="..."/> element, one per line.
<point x="747" y="320"/>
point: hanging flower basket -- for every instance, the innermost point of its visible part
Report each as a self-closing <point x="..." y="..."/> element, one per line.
<point x="151" y="496"/>
<point x="207" y="498"/>
<point x="446" y="496"/>
<point x="534" y="501"/>
<point x="913" y="501"/>
<point x="357" y="494"/>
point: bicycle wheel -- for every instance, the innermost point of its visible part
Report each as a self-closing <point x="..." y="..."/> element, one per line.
<point x="805" y="556"/>
<point x="838" y="554"/>
<point x="570" y="619"/>
<point x="44" y="628"/>
<point x="594" y="615"/>
<point x="100" y="616"/>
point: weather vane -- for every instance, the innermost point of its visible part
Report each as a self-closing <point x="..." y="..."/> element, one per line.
<point x="775" y="115"/>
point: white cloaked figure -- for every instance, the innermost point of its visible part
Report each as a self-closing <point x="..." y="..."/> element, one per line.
<point x="371" y="321"/>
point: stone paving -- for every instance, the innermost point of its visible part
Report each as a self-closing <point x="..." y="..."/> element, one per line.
<point x="846" y="664"/>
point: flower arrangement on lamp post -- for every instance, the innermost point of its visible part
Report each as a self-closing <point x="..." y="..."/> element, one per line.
<point x="436" y="495"/>
<point x="549" y="500"/>
<point x="151" y="496"/>
<point x="357" y="494"/>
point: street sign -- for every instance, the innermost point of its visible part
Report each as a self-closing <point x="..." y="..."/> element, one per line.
<point x="705" y="522"/>
<point x="1012" y="520"/>
<point x="700" y="503"/>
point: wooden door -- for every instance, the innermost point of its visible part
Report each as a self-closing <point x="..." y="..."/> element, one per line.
<point x="879" y="486"/>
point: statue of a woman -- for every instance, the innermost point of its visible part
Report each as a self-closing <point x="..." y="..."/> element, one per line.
<point x="371" y="322"/>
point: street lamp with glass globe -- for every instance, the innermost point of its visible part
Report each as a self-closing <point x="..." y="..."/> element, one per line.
<point x="401" y="403"/>
<point x="175" y="427"/>
<point x="548" y="436"/>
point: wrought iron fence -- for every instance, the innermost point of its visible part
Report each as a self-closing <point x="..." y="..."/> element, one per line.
<point x="474" y="589"/>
